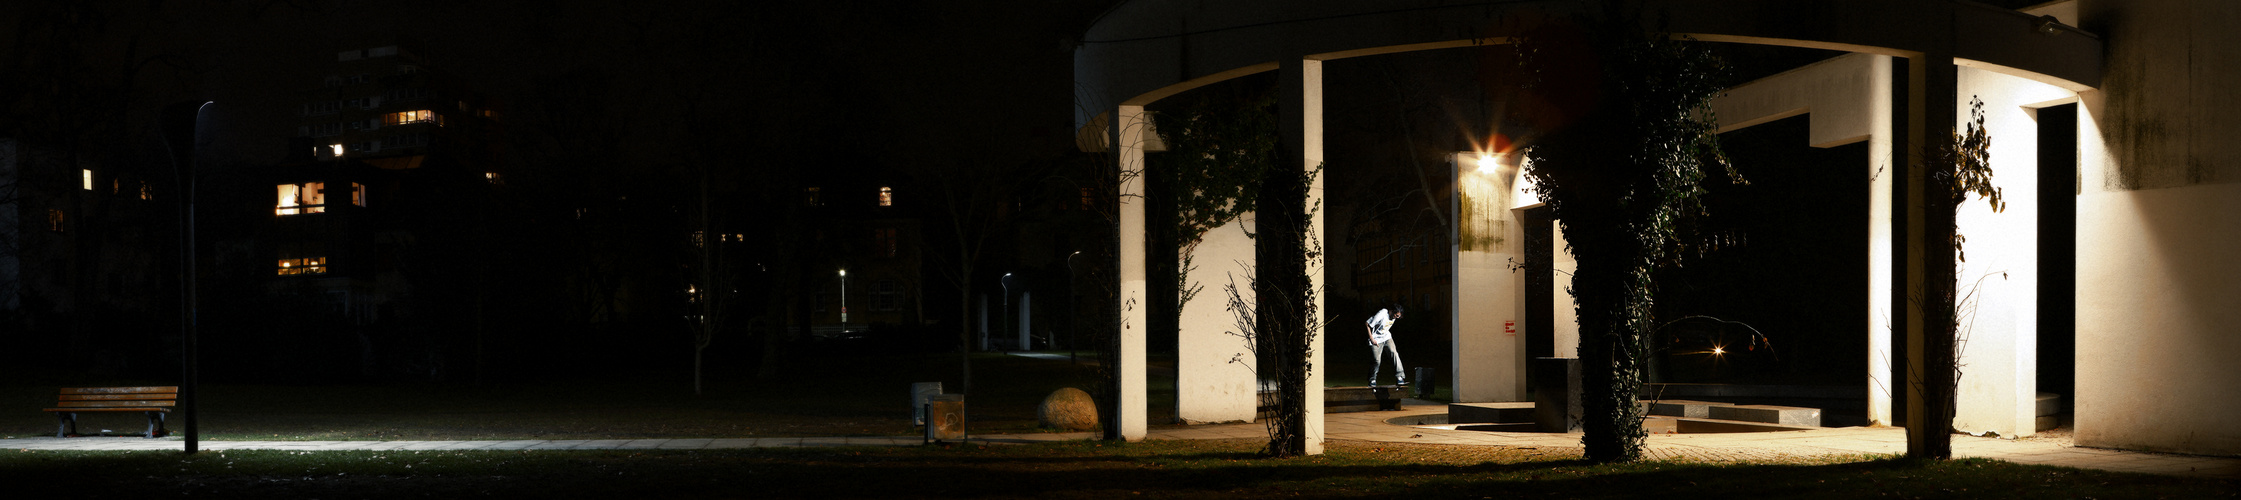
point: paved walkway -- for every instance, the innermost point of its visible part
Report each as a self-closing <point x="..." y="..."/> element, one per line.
<point x="1363" y="426"/>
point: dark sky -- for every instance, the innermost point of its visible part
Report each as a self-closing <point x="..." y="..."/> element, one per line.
<point x="885" y="79"/>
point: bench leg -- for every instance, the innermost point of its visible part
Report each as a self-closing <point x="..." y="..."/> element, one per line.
<point x="155" y="425"/>
<point x="66" y="424"/>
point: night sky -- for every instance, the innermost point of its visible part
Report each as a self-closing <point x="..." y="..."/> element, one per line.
<point x="878" y="81"/>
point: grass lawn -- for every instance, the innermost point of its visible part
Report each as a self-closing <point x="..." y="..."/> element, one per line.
<point x="864" y="396"/>
<point x="1206" y="469"/>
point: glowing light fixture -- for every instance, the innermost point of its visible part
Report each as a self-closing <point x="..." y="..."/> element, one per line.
<point x="1716" y="350"/>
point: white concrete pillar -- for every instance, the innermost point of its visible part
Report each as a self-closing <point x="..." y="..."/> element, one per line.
<point x="1129" y="151"/>
<point x="1489" y="355"/>
<point x="1300" y="125"/>
<point x="1025" y="327"/>
<point x="1881" y="169"/>
<point x="1214" y="380"/>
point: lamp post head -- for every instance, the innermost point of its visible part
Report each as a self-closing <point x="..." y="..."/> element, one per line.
<point x="844" y="273"/>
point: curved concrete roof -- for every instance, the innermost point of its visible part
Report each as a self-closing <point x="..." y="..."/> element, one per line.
<point x="1145" y="50"/>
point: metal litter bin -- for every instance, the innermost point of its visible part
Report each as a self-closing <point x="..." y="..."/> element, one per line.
<point x="945" y="417"/>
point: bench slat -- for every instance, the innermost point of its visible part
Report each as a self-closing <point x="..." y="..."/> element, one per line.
<point x="114" y="404"/>
<point x="117" y="397"/>
<point x="120" y="390"/>
<point x="86" y="410"/>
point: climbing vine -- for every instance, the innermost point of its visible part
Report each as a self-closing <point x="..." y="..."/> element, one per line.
<point x="1623" y="181"/>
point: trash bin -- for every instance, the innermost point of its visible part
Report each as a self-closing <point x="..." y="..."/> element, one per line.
<point x="945" y="417"/>
<point x="1422" y="381"/>
<point x="919" y="392"/>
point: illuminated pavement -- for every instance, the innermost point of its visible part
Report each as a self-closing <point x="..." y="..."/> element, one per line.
<point x="1362" y="426"/>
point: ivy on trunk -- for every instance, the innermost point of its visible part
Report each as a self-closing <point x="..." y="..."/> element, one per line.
<point x="1621" y="174"/>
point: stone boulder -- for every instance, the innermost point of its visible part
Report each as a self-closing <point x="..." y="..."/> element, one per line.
<point x="1068" y="409"/>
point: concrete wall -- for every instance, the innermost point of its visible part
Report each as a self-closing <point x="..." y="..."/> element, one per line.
<point x="1999" y="278"/>
<point x="1210" y="387"/>
<point x="1566" y="321"/>
<point x="1489" y="310"/>
<point x="1489" y="354"/>
<point x="2159" y="214"/>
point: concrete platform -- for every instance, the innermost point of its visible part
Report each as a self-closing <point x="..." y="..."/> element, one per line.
<point x="1683" y="408"/>
<point x="1520" y="412"/>
<point x="1779" y="415"/>
<point x="1364" y="426"/>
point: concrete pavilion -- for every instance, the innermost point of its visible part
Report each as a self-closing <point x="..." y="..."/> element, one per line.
<point x="2141" y="87"/>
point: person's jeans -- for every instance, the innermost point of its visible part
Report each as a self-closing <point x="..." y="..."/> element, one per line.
<point x="1377" y="361"/>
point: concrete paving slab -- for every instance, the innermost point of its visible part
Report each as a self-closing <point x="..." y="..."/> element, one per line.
<point x="602" y="444"/>
<point x="685" y="444"/>
<point x="557" y="445"/>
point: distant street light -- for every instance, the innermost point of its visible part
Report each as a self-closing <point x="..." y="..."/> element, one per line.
<point x="844" y="301"/>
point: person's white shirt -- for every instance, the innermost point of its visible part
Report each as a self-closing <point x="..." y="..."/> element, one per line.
<point x="1381" y="327"/>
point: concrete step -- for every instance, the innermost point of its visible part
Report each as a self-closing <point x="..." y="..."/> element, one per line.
<point x="1779" y="415"/>
<point x="1683" y="408"/>
<point x="2049" y="404"/>
<point x="1520" y="412"/>
<point x="1684" y="425"/>
<point x="1350" y="399"/>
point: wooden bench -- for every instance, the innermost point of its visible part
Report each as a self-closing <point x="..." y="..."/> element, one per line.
<point x="156" y="402"/>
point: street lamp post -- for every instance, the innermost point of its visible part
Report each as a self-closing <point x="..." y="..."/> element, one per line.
<point x="179" y="123"/>
<point x="1074" y="322"/>
<point x="844" y="301"/>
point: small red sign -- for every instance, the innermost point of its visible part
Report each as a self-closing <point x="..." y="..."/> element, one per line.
<point x="1509" y="327"/>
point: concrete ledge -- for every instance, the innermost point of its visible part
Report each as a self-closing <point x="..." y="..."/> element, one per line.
<point x="1683" y="408"/>
<point x="1779" y="415"/>
<point x="1490" y="413"/>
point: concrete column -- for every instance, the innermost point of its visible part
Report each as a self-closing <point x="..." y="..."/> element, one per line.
<point x="1025" y="328"/>
<point x="1489" y="356"/>
<point x="1881" y="169"/>
<point x="1214" y="369"/>
<point x="1299" y="132"/>
<point x="1130" y="153"/>
<point x="1931" y="94"/>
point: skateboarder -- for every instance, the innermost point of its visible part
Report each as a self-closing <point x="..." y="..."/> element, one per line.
<point x="1381" y="342"/>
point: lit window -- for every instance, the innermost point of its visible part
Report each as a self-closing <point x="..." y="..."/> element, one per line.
<point x="886" y="196"/>
<point x="89" y="179"/>
<point x="358" y="194"/>
<point x="147" y="191"/>
<point x="493" y="178"/>
<point x="814" y="198"/>
<point x="306" y="198"/>
<point x="404" y="117"/>
<point x="307" y="265"/>
<point x="1087" y="199"/>
<point x="56" y="221"/>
